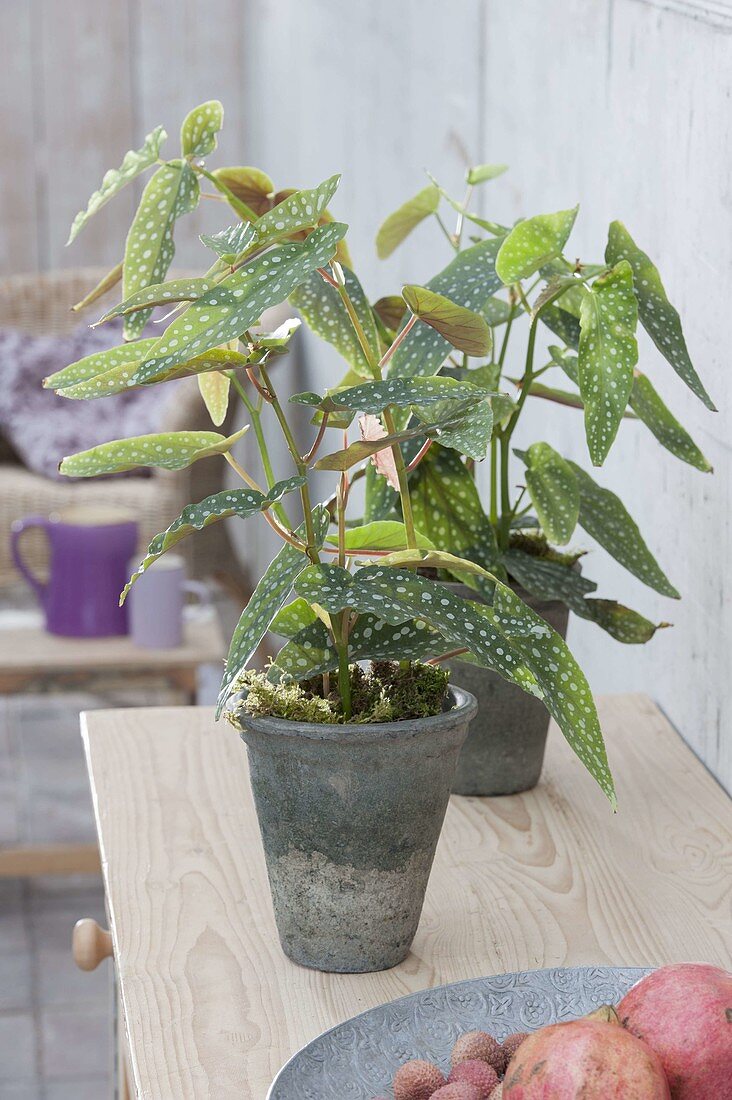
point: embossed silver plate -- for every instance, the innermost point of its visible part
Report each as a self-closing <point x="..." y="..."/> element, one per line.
<point x="357" y="1059"/>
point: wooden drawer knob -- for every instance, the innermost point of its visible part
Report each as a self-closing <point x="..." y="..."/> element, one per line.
<point x="90" y="944"/>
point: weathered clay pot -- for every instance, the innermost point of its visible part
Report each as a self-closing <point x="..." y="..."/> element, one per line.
<point x="350" y="816"/>
<point x="504" y="750"/>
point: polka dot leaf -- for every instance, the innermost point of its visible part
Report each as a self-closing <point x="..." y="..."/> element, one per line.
<point x="133" y="163"/>
<point x="533" y="243"/>
<point x="374" y="397"/>
<point x="608" y="352"/>
<point x="325" y="314"/>
<point x="605" y="518"/>
<point x="171" y="192"/>
<point x="658" y="317"/>
<point x="160" y="294"/>
<point x="658" y="418"/>
<point x="549" y="580"/>
<point x="554" y="492"/>
<point x="266" y="601"/>
<point x="238" y="301"/>
<point x="397" y="227"/>
<point x="562" y="323"/>
<point x="293" y="618"/>
<point x="214" y="388"/>
<point x="463" y="328"/>
<point x="199" y="129"/>
<point x="167" y="451"/>
<point x="298" y="211"/>
<point x="621" y="623"/>
<point x="194" y="517"/>
<point x="99" y="363"/>
<point x="230" y="242"/>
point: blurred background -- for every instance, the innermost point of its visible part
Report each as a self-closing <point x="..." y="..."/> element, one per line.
<point x="620" y="105"/>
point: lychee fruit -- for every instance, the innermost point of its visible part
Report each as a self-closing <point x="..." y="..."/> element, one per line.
<point x="417" y="1080"/>
<point x="509" y="1046"/>
<point x="458" y="1090"/>
<point x="476" y="1073"/>
<point x="477" y="1045"/>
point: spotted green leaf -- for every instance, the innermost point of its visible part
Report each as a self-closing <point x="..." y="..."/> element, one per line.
<point x="496" y="311"/>
<point x="194" y="517"/>
<point x="374" y="397"/>
<point x="265" y="603"/>
<point x="646" y="402"/>
<point x="447" y="508"/>
<point x="553" y="490"/>
<point x="214" y="389"/>
<point x="481" y="173"/>
<point x="400" y="224"/>
<point x="468" y="280"/>
<point x="385" y="534"/>
<point x="99" y="363"/>
<point x="311" y="652"/>
<point x="170" y="193"/>
<point x="469" y="432"/>
<point x="228" y="310"/>
<point x="658" y="317"/>
<point x="605" y="518"/>
<point x="300" y="210"/>
<point x="229" y="242"/>
<point x="323" y="311"/>
<point x="166" y="450"/>
<point x="462" y="328"/>
<point x="562" y="323"/>
<point x="622" y="623"/>
<point x="293" y="618"/>
<point x="199" y="129"/>
<point x="608" y="352"/>
<point x="133" y="163"/>
<point x="160" y="294"/>
<point x="532" y="243"/>
<point x="567" y="694"/>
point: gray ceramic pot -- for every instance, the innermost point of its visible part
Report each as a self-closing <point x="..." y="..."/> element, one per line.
<point x="350" y="817"/>
<point x="504" y="749"/>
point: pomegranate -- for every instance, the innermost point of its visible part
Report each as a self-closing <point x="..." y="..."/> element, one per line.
<point x="684" y="1012"/>
<point x="590" y="1059"/>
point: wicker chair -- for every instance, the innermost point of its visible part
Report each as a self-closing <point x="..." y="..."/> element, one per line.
<point x="41" y="304"/>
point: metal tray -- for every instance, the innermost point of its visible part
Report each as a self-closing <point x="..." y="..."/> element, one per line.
<point x="357" y="1059"/>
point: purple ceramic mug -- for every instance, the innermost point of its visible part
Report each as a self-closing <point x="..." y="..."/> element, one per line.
<point x="89" y="550"/>
<point x="156" y="602"/>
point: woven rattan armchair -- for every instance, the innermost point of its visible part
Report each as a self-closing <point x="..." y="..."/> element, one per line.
<point x="41" y="304"/>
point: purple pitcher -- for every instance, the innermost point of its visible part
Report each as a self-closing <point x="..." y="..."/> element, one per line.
<point x="89" y="551"/>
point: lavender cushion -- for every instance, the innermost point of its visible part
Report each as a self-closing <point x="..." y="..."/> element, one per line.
<point x="42" y="427"/>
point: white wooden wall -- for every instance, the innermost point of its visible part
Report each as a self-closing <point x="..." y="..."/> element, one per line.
<point x="622" y="105"/>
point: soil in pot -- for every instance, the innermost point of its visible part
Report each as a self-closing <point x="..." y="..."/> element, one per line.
<point x="350" y="815"/>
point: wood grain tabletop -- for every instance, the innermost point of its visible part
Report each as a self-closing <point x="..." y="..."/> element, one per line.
<point x="548" y="878"/>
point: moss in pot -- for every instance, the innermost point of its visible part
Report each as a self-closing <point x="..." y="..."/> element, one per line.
<point x="351" y="769"/>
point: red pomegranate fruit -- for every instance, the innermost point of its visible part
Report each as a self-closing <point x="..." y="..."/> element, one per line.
<point x="684" y="1012"/>
<point x="587" y="1059"/>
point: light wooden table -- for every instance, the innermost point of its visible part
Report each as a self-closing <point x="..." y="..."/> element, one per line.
<point x="548" y="878"/>
<point x="30" y="657"/>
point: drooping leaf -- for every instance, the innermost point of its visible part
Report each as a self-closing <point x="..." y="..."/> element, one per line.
<point x="171" y="192"/>
<point x="374" y="397"/>
<point x="200" y="127"/>
<point x="229" y="242"/>
<point x="266" y="601"/>
<point x="300" y="210"/>
<point x="532" y="243"/>
<point x="646" y="402"/>
<point x="160" y="294"/>
<point x="166" y="450"/>
<point x="658" y="317"/>
<point x="605" y="518"/>
<point x="390" y="310"/>
<point x="462" y="328"/>
<point x="433" y="559"/>
<point x="567" y="694"/>
<point x="562" y="324"/>
<point x="250" y="186"/>
<point x="468" y="429"/>
<point x="133" y="163"/>
<point x="400" y="224"/>
<point x="468" y="280"/>
<point x="214" y="389"/>
<point x="608" y="352"/>
<point x="194" y="517"/>
<point x="321" y="306"/>
<point x="99" y="362"/>
<point x="481" y="173"/>
<point x="553" y="490"/>
<point x="228" y="310"/>
<point x="293" y="618"/>
<point x="386" y="534"/>
<point x="104" y="285"/>
<point x="447" y="508"/>
<point x="622" y="623"/>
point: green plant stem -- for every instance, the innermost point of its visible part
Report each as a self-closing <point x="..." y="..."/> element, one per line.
<point x="344" y="670"/>
<point x="453" y="243"/>
<point x="494" y="481"/>
<point x="256" y="419"/>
